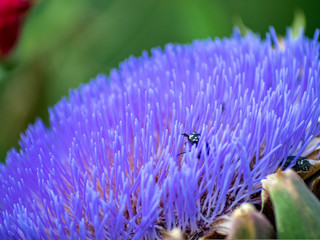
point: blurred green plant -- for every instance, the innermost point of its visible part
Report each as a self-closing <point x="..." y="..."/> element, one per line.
<point x="299" y="22"/>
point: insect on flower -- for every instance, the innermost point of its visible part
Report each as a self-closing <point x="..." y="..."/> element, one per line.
<point x="193" y="139"/>
<point x="302" y="164"/>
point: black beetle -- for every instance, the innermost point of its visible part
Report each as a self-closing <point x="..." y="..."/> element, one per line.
<point x="193" y="139"/>
<point x="302" y="164"/>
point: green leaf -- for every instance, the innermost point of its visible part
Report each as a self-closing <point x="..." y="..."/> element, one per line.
<point x="296" y="209"/>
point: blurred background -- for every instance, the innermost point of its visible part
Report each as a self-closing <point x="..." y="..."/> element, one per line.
<point x="65" y="43"/>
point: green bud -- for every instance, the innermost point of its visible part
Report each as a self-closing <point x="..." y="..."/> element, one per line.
<point x="248" y="223"/>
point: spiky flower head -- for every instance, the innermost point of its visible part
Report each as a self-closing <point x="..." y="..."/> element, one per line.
<point x="114" y="162"/>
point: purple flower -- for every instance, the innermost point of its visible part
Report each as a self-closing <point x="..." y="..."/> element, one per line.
<point x="110" y="164"/>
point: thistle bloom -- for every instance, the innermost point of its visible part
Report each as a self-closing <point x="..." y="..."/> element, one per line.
<point x="109" y="165"/>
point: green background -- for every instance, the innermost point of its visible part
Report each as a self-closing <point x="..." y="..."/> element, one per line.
<point x="68" y="42"/>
